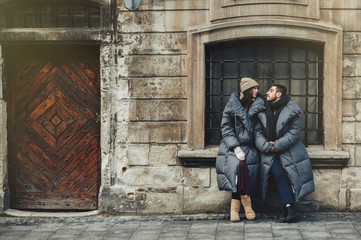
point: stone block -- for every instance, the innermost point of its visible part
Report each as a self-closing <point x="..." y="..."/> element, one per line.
<point x="152" y="177"/>
<point x="1" y="74"/>
<point x="158" y="87"/>
<point x="345" y="19"/>
<point x="154" y="201"/>
<point x="187" y="4"/>
<point x="138" y="154"/>
<point x="120" y="109"/>
<point x="190" y="18"/>
<point x="122" y="67"/>
<point x="340" y="4"/>
<point x="120" y="89"/>
<point x="116" y="200"/>
<point x="342" y="199"/>
<point x="351" y="65"/>
<point x="357" y="87"/>
<point x="158" y="65"/>
<point x="171" y="5"/>
<point x="358" y="156"/>
<point x="158" y="110"/>
<point x="348" y="132"/>
<point x="163" y="155"/>
<point x="153" y="43"/>
<point x="167" y="132"/>
<point x="351" y="150"/>
<point x="197" y="177"/>
<point x="206" y="200"/>
<point x="138" y="132"/>
<point x="145" y="5"/>
<point x="161" y="132"/>
<point x="352" y="43"/>
<point x="228" y="9"/>
<point x="118" y="128"/>
<point x="355" y="199"/>
<point x="358" y="111"/>
<point x="327" y="184"/>
<point x="351" y="177"/>
<point x="348" y="108"/>
<point x="348" y="88"/>
<point x="3" y="146"/>
<point x="116" y="164"/>
<point x="358" y="132"/>
<point x="105" y="55"/>
<point x="141" y="21"/>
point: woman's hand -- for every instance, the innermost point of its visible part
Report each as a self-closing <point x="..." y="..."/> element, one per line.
<point x="239" y="153"/>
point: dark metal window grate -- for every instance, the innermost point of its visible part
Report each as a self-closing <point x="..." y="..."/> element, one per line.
<point x="296" y="64"/>
<point x="50" y="14"/>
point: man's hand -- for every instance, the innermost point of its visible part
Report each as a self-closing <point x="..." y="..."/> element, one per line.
<point x="272" y="148"/>
<point x="239" y="153"/>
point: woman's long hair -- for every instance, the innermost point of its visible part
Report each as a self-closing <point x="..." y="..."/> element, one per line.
<point x="247" y="99"/>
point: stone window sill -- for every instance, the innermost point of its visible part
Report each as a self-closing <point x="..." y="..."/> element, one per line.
<point x="320" y="158"/>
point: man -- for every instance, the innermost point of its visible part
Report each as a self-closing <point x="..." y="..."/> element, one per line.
<point x="282" y="153"/>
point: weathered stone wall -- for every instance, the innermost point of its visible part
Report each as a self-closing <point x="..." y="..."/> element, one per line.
<point x="347" y="15"/>
<point x="148" y="109"/>
<point x="144" y="95"/>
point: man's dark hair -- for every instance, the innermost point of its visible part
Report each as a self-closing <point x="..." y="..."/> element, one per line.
<point x="280" y="88"/>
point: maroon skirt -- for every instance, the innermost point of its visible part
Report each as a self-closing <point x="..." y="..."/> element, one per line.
<point x="243" y="179"/>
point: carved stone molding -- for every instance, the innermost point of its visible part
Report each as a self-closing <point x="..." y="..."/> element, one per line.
<point x="221" y="10"/>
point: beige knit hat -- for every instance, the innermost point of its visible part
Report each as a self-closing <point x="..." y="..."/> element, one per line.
<point x="247" y="83"/>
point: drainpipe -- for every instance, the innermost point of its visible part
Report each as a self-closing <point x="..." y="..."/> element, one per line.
<point x="132" y="5"/>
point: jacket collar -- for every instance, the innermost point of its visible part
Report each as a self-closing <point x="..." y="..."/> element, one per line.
<point x="288" y="112"/>
<point x="256" y="106"/>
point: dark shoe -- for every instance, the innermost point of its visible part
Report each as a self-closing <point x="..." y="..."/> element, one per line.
<point x="283" y="214"/>
<point x="291" y="213"/>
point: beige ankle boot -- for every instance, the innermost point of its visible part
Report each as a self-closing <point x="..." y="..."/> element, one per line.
<point x="246" y="202"/>
<point x="235" y="207"/>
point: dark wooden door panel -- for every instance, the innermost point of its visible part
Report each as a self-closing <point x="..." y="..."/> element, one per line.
<point x="53" y="129"/>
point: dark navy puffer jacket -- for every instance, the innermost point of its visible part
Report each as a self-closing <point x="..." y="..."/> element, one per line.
<point x="237" y="130"/>
<point x="289" y="149"/>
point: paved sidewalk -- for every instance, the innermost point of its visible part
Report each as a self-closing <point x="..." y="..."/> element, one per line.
<point x="310" y="226"/>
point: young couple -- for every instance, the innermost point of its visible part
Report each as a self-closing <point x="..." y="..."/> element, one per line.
<point x="260" y="137"/>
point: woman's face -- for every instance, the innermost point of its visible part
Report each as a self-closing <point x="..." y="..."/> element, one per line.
<point x="254" y="91"/>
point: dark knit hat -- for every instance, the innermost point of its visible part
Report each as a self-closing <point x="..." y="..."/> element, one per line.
<point x="247" y="83"/>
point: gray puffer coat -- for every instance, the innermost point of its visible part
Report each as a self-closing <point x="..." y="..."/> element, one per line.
<point x="237" y="130"/>
<point x="289" y="149"/>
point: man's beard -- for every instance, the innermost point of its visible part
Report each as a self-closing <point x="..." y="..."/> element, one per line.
<point x="271" y="99"/>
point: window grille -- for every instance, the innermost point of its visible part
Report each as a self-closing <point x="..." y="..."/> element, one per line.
<point x="50" y="14"/>
<point x="296" y="64"/>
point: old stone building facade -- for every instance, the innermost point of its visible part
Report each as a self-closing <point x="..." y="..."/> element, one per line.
<point x="148" y="74"/>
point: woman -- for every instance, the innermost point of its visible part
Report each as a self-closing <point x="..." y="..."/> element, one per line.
<point x="237" y="161"/>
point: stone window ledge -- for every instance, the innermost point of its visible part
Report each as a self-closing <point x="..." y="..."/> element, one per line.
<point x="320" y="158"/>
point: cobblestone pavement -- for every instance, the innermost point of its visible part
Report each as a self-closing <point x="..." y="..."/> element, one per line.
<point x="309" y="226"/>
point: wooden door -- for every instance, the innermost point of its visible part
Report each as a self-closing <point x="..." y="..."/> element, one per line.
<point x="53" y="127"/>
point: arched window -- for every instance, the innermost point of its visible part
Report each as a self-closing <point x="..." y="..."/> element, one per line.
<point x="50" y="14"/>
<point x="296" y="64"/>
